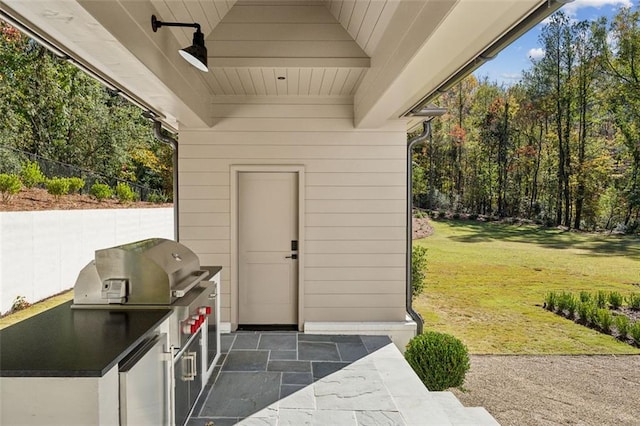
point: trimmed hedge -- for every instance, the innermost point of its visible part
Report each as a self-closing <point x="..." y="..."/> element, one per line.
<point x="440" y="360"/>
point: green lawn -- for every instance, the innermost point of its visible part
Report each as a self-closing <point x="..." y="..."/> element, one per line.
<point x="486" y="283"/>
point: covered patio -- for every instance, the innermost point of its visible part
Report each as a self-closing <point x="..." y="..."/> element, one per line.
<point x="292" y="176"/>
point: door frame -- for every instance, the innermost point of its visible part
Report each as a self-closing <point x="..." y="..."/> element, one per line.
<point x="234" y="171"/>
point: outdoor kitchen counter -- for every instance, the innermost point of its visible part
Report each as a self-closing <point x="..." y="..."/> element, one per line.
<point x="65" y="342"/>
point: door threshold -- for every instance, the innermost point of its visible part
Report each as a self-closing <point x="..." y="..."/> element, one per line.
<point x="268" y="327"/>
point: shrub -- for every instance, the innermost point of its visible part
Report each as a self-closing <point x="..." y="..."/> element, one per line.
<point x="592" y="315"/>
<point x="566" y="302"/>
<point x="101" y="191"/>
<point x="10" y="185"/>
<point x="124" y="193"/>
<point x="75" y="184"/>
<point x="585" y="296"/>
<point x="615" y="300"/>
<point x="604" y="319"/>
<point x="584" y="309"/>
<point x="157" y="198"/>
<point x="31" y="174"/>
<point x="634" y="332"/>
<point x="621" y="322"/>
<point x="440" y="360"/>
<point x="418" y="269"/>
<point x="571" y="305"/>
<point x="601" y="299"/>
<point x="57" y="187"/>
<point x="634" y="301"/>
<point x="550" y="301"/>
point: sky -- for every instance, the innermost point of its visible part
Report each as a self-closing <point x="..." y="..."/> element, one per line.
<point x="506" y="69"/>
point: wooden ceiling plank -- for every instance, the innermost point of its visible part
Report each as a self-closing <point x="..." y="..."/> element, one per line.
<point x="258" y="81"/>
<point x="357" y="18"/>
<point x="246" y="81"/>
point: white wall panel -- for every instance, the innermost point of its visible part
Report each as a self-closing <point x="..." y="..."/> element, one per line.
<point x="42" y="252"/>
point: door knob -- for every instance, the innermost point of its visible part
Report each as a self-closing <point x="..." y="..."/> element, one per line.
<point x="293" y="256"/>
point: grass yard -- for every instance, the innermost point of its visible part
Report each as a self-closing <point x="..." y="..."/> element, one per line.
<point x="486" y="283"/>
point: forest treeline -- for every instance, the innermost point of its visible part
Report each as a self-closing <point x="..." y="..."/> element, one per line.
<point x="562" y="146"/>
<point x="51" y="109"/>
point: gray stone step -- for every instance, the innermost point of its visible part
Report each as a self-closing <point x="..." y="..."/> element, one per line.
<point x="459" y="415"/>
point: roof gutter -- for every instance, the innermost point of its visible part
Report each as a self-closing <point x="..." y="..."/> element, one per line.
<point x="157" y="132"/>
<point x="426" y="134"/>
<point x="530" y="21"/>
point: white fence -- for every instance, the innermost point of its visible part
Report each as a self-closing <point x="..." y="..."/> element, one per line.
<point x="41" y="252"/>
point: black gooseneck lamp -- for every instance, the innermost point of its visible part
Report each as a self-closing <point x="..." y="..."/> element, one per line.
<point x="196" y="54"/>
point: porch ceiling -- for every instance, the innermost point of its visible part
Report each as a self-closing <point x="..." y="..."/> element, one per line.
<point x="380" y="55"/>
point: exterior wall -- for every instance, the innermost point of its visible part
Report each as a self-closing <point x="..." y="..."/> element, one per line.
<point x="354" y="256"/>
<point x="42" y="252"/>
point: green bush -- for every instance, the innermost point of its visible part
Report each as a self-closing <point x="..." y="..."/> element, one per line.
<point x="584" y="309"/>
<point x="31" y="174"/>
<point x="10" y="185"/>
<point x="585" y="296"/>
<point x="601" y="299"/>
<point x="621" y="322"/>
<point x="418" y="270"/>
<point x="571" y="305"/>
<point x="57" y="187"/>
<point x="615" y="300"/>
<point x="124" y="193"/>
<point x="634" y="332"/>
<point x="440" y="360"/>
<point x="551" y="301"/>
<point x="101" y="191"/>
<point x="566" y="302"/>
<point x="75" y="184"/>
<point x="604" y="319"/>
<point x="634" y="301"/>
<point x="157" y="198"/>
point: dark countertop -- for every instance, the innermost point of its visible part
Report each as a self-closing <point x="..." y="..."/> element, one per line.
<point x="65" y="342"/>
<point x="212" y="270"/>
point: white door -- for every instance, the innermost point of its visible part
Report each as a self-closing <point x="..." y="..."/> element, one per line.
<point x="267" y="271"/>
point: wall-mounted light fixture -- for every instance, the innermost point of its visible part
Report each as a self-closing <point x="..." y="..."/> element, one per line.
<point x="196" y="54"/>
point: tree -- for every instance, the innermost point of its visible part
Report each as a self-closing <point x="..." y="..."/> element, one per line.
<point x="50" y="108"/>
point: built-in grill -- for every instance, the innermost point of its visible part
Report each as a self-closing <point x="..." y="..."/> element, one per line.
<point x="149" y="273"/>
<point x="161" y="273"/>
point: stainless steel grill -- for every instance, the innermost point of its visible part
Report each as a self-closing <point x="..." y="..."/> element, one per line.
<point x="159" y="273"/>
<point x="151" y="273"/>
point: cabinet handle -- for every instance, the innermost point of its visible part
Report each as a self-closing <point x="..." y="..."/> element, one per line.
<point x="191" y="370"/>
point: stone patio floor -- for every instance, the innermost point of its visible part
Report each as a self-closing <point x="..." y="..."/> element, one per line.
<point x="290" y="378"/>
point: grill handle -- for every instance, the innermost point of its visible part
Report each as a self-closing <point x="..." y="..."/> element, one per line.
<point x="184" y="287"/>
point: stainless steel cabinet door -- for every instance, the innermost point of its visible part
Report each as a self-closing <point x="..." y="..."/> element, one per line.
<point x="143" y="386"/>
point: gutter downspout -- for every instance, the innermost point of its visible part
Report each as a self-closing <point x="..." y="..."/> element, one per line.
<point x="157" y="132"/>
<point x="426" y="132"/>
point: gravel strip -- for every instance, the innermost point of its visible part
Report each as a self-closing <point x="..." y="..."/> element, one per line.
<point x="552" y="390"/>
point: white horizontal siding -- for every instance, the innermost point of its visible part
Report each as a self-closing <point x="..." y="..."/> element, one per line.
<point x="355" y="246"/>
<point x="354" y="205"/>
<point x="355" y="219"/>
<point x="352" y="287"/>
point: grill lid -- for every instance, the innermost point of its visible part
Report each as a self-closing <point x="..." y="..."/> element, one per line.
<point x="155" y="271"/>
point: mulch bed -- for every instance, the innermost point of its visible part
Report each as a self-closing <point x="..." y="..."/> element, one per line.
<point x="35" y="199"/>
